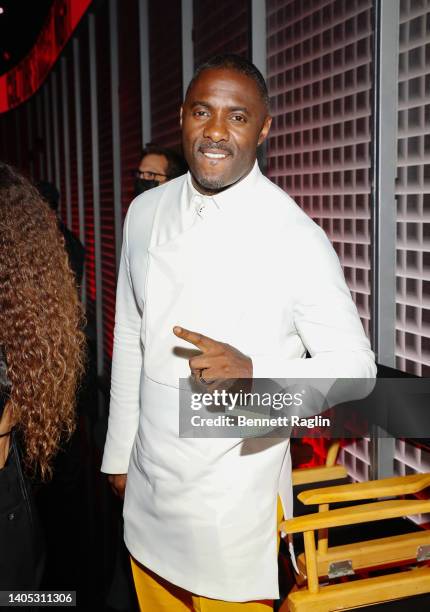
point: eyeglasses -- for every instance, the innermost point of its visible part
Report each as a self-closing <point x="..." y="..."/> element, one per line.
<point x="148" y="175"/>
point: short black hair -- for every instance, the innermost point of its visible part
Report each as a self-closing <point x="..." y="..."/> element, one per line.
<point x="176" y="164"/>
<point x="234" y="62"/>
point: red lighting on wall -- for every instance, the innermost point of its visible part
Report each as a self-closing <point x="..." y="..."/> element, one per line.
<point x="24" y="80"/>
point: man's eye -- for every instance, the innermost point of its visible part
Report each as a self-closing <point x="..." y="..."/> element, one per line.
<point x="201" y="113"/>
<point x="239" y="118"/>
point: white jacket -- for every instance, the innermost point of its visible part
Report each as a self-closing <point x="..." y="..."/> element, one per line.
<point x="253" y="270"/>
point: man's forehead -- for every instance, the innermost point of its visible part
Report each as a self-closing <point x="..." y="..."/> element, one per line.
<point x="152" y="159"/>
<point x="224" y="81"/>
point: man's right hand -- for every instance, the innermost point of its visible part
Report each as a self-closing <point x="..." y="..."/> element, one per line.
<point x="118" y="482"/>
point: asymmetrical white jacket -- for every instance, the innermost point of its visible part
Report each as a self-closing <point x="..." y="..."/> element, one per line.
<point x="250" y="268"/>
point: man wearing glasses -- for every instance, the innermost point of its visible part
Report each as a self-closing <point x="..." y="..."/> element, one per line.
<point x="157" y="165"/>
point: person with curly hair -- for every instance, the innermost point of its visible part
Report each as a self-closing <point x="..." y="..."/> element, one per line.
<point x="41" y="361"/>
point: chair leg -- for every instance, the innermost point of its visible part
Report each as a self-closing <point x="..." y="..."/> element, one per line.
<point x="311" y="561"/>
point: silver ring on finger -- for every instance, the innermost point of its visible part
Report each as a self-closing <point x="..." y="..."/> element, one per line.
<point x="205" y="381"/>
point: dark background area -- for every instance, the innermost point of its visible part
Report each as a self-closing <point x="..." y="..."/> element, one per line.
<point x="20" y="24"/>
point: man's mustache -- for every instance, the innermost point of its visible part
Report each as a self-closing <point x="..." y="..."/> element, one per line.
<point x="213" y="146"/>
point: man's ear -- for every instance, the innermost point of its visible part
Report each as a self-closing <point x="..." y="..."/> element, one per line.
<point x="180" y="115"/>
<point x="265" y="129"/>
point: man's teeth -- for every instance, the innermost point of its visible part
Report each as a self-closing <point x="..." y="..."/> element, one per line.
<point x="215" y="155"/>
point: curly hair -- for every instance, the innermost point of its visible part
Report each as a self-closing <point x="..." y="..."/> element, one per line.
<point x="41" y="321"/>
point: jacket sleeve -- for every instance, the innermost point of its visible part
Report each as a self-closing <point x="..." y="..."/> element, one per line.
<point x="126" y="370"/>
<point x="325" y="318"/>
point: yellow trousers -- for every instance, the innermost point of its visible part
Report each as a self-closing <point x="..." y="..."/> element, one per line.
<point x="158" y="595"/>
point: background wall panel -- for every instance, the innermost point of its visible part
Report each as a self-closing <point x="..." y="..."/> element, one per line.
<point x="165" y="65"/>
<point x="221" y="27"/>
<point x="59" y="111"/>
<point x="23" y="139"/>
<point x="107" y="222"/>
<point x="41" y="145"/>
<point x="129" y="97"/>
<point x="48" y="142"/>
<point x="319" y="78"/>
<point x="3" y="138"/>
<point x="413" y="190"/>
<point x="73" y="152"/>
<point x="87" y="164"/>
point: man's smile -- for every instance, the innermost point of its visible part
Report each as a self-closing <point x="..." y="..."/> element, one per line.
<point x="214" y="154"/>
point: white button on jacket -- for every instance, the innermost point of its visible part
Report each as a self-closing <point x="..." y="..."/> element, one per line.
<point x="256" y="272"/>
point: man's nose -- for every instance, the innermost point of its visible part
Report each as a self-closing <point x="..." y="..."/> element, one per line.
<point x="216" y="129"/>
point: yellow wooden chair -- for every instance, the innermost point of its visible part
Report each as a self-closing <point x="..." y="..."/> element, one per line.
<point x="330" y="472"/>
<point x="327" y="472"/>
<point x="346" y="559"/>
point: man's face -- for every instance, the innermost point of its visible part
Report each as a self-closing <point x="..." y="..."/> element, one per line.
<point x="153" y="167"/>
<point x="223" y="120"/>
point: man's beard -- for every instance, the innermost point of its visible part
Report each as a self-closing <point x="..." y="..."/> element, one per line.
<point x="213" y="184"/>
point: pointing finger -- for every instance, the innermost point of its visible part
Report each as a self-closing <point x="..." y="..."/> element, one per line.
<point x="202" y="342"/>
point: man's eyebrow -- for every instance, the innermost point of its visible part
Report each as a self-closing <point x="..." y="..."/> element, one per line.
<point x="200" y="103"/>
<point x="239" y="109"/>
<point x="231" y="109"/>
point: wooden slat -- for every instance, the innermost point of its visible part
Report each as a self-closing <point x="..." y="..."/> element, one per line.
<point x="372" y="553"/>
<point x="387" y="487"/>
<point x="346" y="596"/>
<point x="318" y="474"/>
<point x="311" y="562"/>
<point x="332" y="454"/>
<point x="354" y="515"/>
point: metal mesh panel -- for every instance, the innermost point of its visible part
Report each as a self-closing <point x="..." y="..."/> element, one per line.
<point x="107" y="222"/>
<point x="87" y="163"/>
<point x="3" y="138"/>
<point x="40" y="165"/>
<point x="165" y="64"/>
<point x="129" y="98"/>
<point x="412" y="190"/>
<point x="221" y="27"/>
<point x="319" y="78"/>
<point x="355" y="456"/>
<point x="48" y="134"/>
<point x="73" y="147"/>
<point x="61" y="186"/>
<point x="24" y="140"/>
<point x="412" y="459"/>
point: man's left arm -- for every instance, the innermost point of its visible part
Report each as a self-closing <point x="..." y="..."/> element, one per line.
<point x="325" y="317"/>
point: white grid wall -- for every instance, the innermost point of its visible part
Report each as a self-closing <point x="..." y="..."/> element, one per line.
<point x="356" y="458"/>
<point x="319" y="56"/>
<point x="410" y="459"/>
<point x="412" y="190"/>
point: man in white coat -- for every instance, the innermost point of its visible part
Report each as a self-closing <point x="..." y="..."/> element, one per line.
<point x="223" y="261"/>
